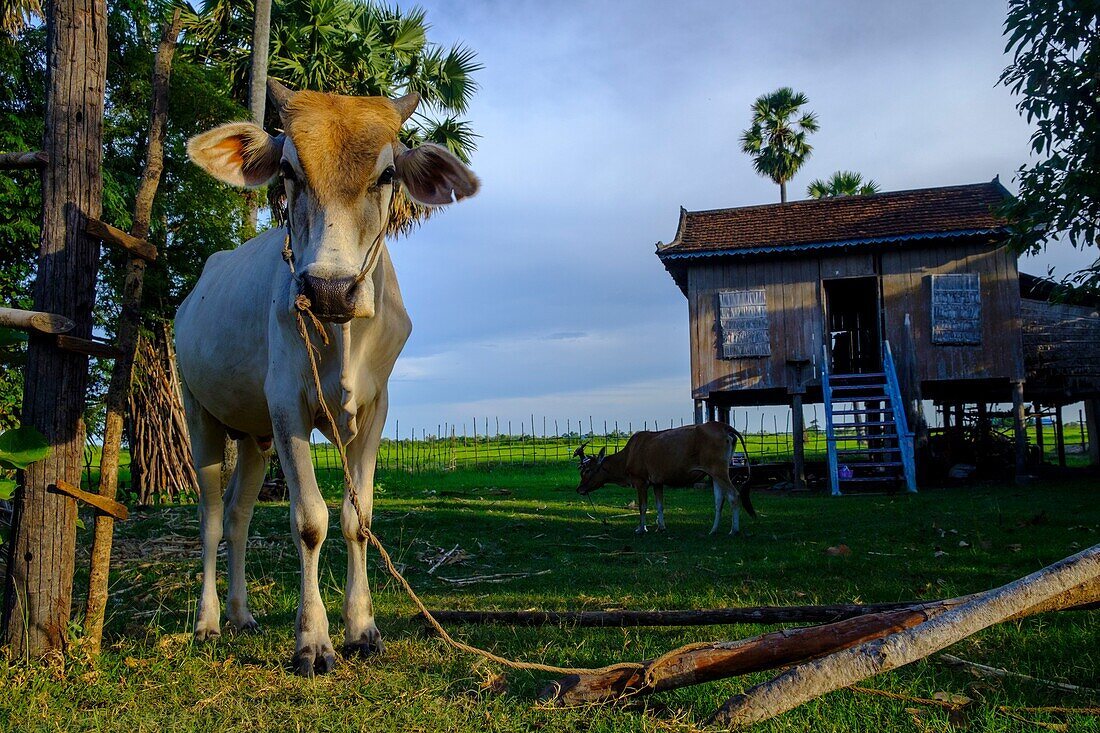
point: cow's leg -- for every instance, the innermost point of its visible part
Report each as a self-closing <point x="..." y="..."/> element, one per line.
<point x="207" y="454"/>
<point x="361" y="636"/>
<point x="659" y="498"/>
<point x="719" y="500"/>
<point x="729" y="492"/>
<point x="241" y="499"/>
<point x="308" y="526"/>
<point x="643" y="506"/>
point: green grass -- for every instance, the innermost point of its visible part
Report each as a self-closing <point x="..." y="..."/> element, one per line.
<point x="153" y="678"/>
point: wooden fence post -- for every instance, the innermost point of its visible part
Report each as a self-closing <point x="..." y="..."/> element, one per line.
<point x="118" y="394"/>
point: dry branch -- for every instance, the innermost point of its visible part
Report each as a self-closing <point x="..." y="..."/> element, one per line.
<point x="697" y="617"/>
<point x="986" y="671"/>
<point x="34" y="321"/>
<point x="160" y="460"/>
<point x="23" y="161"/>
<point x="807" y="681"/>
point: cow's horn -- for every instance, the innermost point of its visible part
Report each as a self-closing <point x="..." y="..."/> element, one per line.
<point x="406" y="105"/>
<point x="279" y="95"/>
<point x="579" y="452"/>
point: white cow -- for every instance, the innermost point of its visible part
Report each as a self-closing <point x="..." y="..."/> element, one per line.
<point x="244" y="366"/>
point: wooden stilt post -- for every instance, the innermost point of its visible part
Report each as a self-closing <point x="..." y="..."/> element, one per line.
<point x="724" y="415"/>
<point x="1059" y="436"/>
<point x="1040" y="440"/>
<point x="798" y="435"/>
<point x="700" y="414"/>
<point x="1092" y="426"/>
<point x="1019" y="427"/>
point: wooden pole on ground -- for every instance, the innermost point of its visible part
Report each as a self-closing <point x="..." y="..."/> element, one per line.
<point x="695" y="617"/>
<point x="38" y="586"/>
<point x="705" y="662"/>
<point x="118" y="394"/>
<point x="810" y="680"/>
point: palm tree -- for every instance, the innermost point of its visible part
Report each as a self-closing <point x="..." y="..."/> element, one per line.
<point x="776" y="140"/>
<point x="356" y="48"/>
<point x="841" y="183"/>
<point x="15" y="15"/>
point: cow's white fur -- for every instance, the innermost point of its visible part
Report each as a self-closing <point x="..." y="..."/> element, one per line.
<point x="245" y="369"/>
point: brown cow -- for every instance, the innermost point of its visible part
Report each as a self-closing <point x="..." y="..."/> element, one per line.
<point x="677" y="457"/>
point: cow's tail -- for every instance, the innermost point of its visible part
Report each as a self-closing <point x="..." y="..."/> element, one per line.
<point x="743" y="489"/>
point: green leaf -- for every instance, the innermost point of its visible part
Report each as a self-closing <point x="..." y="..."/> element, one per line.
<point x="7" y="489"/>
<point x="20" y="447"/>
<point x="10" y="337"/>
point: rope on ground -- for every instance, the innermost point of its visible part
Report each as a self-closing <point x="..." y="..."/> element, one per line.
<point x="302" y="304"/>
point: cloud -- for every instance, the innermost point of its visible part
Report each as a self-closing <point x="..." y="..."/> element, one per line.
<point x="599" y="120"/>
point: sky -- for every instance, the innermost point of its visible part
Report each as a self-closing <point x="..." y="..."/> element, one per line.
<point x="542" y="296"/>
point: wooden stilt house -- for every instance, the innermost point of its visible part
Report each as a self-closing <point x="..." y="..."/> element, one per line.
<point x="867" y="304"/>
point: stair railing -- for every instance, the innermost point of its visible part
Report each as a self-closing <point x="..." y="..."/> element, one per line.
<point x="830" y="434"/>
<point x="901" y="420"/>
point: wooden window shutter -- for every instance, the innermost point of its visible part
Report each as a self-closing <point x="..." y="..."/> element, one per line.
<point x="743" y="324"/>
<point x="956" y="309"/>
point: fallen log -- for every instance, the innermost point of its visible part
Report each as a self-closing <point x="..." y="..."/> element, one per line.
<point x="810" y="680"/>
<point x="700" y="617"/>
<point x="705" y="662"/>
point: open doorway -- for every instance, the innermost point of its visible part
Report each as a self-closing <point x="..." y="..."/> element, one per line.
<point x="852" y="325"/>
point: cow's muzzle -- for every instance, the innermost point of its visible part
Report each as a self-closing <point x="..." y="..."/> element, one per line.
<point x="331" y="299"/>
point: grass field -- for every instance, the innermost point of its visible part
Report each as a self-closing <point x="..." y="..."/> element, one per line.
<point x="579" y="556"/>
<point x="432" y="455"/>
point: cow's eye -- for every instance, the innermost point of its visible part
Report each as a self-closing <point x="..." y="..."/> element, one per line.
<point x="286" y="170"/>
<point x="387" y="176"/>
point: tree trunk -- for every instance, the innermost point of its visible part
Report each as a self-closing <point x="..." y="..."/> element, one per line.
<point x="118" y="394"/>
<point x="782" y="192"/>
<point x="257" y="87"/>
<point x="38" y="586"/>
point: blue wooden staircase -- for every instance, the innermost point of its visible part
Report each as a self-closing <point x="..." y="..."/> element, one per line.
<point x="866" y="432"/>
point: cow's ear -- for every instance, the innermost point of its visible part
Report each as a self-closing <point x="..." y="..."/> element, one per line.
<point x="240" y="154"/>
<point x="433" y="176"/>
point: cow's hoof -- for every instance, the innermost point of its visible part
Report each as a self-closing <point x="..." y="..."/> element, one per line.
<point x="662" y="528"/>
<point x="368" y="644"/>
<point x="249" y="626"/>
<point x="309" y="661"/>
<point x="641" y="530"/>
<point x="205" y="633"/>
